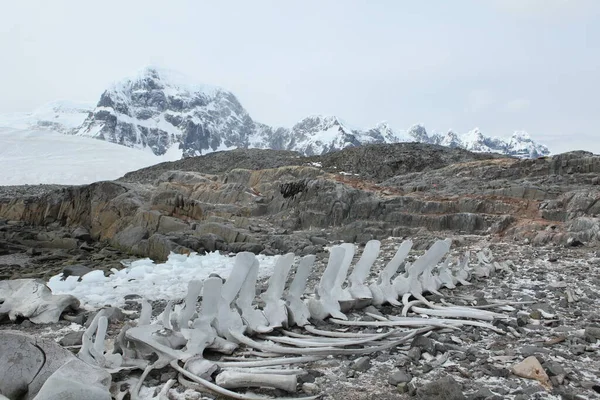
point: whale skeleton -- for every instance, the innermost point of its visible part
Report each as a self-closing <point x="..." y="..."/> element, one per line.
<point x="228" y="316"/>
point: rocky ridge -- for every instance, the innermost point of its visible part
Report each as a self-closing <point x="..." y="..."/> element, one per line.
<point x="270" y="201"/>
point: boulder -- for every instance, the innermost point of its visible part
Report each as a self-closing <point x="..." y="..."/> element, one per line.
<point x="40" y="369"/>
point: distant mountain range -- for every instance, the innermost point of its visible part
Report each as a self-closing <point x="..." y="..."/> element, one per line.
<point x="164" y="112"/>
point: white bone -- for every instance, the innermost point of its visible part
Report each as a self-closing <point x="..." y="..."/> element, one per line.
<point x="357" y="288"/>
<point x="298" y="311"/>
<point x="191" y="300"/>
<point x="324" y="304"/>
<point x="235" y="379"/>
<point x="255" y="319"/>
<point x="384" y="291"/>
<point x="275" y="309"/>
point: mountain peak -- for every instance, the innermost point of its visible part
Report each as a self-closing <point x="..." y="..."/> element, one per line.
<point x="152" y="77"/>
<point x="160" y="110"/>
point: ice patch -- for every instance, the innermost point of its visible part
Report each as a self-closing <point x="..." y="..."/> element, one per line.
<point x="165" y="281"/>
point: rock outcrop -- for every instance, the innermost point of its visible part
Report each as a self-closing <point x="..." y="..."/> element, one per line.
<point x="547" y="200"/>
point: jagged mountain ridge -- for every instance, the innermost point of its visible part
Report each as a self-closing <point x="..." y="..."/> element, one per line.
<point x="161" y="111"/>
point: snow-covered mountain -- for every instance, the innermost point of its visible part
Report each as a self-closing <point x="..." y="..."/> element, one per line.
<point x="60" y="116"/>
<point x="163" y="112"/>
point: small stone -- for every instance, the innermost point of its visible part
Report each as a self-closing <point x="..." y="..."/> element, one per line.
<point x="554" y="368"/>
<point x="527" y="350"/>
<point x="425" y="344"/>
<point x="398" y="377"/>
<point x="557" y="380"/>
<point x="26" y="323"/>
<point x="75" y="270"/>
<point x="414" y="354"/>
<point x="310" y="388"/>
<point x="318" y="240"/>
<point x="592" y="332"/>
<point x="32" y="251"/>
<point x="578" y="349"/>
<point x="427" y="368"/>
<point x="536" y="314"/>
<point x="482" y="394"/>
<point x="402" y="387"/>
<point x="442" y="389"/>
<point x="362" y="364"/>
<point x="72" y="339"/>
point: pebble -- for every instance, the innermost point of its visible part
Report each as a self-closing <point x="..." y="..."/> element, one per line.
<point x="310" y="388"/>
<point x="402" y="387"/>
<point x="414" y="354"/>
<point x="72" y="339"/>
<point x="554" y="368"/>
<point x="362" y="364"/>
<point x="592" y="332"/>
<point x="398" y="377"/>
<point x="442" y="389"/>
<point x="425" y="344"/>
<point x="578" y="349"/>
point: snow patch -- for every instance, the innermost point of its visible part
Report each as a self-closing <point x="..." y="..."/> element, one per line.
<point x="164" y="281"/>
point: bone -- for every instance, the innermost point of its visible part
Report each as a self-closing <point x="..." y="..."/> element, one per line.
<point x="338" y="292"/>
<point x="307" y="343"/>
<point x="383" y="291"/>
<point x="357" y="288"/>
<point x="255" y="319"/>
<point x="271" y="362"/>
<point x="227" y="318"/>
<point x="235" y="379"/>
<point x="217" y="389"/>
<point x="275" y="309"/>
<point x="324" y="304"/>
<point x="201" y="367"/>
<point x="145" y="314"/>
<point x="31" y="298"/>
<point x="298" y="311"/>
<point x="191" y="300"/>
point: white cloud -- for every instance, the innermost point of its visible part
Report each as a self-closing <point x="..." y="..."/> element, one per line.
<point x="517" y="105"/>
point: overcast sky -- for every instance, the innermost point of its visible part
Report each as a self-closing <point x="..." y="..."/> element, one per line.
<point x="500" y="65"/>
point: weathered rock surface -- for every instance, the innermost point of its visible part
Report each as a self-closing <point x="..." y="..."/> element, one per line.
<point x="270" y="201"/>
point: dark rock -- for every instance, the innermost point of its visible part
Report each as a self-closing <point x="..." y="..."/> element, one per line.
<point x="414" y="353"/>
<point x="553" y="368"/>
<point x="443" y="389"/>
<point x="398" y="377"/>
<point x="318" y="240"/>
<point x="238" y="247"/>
<point x="592" y="332"/>
<point x="32" y="251"/>
<point x="482" y="394"/>
<point x="362" y="364"/>
<point x="81" y="233"/>
<point x="425" y="344"/>
<point x="72" y="339"/>
<point x="75" y="270"/>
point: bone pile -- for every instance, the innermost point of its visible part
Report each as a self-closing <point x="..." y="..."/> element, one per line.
<point x="227" y="320"/>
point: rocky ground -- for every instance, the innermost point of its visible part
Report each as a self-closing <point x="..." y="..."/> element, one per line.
<point x="561" y="328"/>
<point x="541" y="214"/>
